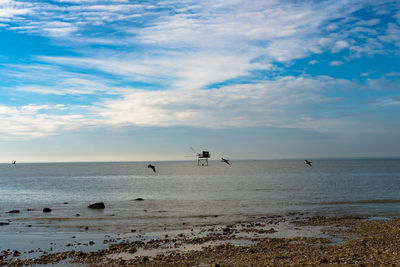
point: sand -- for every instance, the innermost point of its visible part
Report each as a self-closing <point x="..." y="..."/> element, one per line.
<point x="296" y="240"/>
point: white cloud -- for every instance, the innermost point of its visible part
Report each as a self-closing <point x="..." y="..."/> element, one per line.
<point x="382" y="84"/>
<point x="58" y="28"/>
<point x="61" y="21"/>
<point x="202" y="43"/>
<point x="52" y="80"/>
<point x="392" y="34"/>
<point x="340" y="45"/>
<point x="370" y="47"/>
<point x="364" y="74"/>
<point x="388" y="102"/>
<point x="371" y="22"/>
<point x="397" y="16"/>
<point x="185" y="47"/>
<point x="11" y="8"/>
<point x="90" y="1"/>
<point x="278" y="103"/>
<point x="30" y="121"/>
<point x="393" y="74"/>
<point x="285" y="102"/>
<point x="112" y="8"/>
<point x="185" y="71"/>
<point x="205" y="25"/>
<point x="336" y="63"/>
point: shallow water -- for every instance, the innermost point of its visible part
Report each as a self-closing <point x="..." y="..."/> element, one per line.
<point x="182" y="192"/>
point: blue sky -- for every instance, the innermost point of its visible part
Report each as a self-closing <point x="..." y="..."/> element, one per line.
<point x="85" y="80"/>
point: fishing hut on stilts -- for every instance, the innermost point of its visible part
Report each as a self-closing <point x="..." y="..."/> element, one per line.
<point x="203" y="158"/>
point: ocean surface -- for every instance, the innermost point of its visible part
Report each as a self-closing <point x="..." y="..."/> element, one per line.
<point x="184" y="193"/>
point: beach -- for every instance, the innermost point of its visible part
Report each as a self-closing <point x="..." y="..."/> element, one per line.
<point x="260" y="213"/>
<point x="295" y="240"/>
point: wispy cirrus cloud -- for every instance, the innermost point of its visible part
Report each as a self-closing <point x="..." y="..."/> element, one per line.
<point x="179" y="69"/>
<point x="47" y="79"/>
<point x="203" y="44"/>
<point x="392" y="34"/>
<point x="10" y="9"/>
<point x="71" y="18"/>
<point x="161" y="57"/>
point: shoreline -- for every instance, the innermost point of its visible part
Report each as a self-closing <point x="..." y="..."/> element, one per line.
<point x="298" y="239"/>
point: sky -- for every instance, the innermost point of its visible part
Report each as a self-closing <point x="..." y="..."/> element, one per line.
<point x="121" y="80"/>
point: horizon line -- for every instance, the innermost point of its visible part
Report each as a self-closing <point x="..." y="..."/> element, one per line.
<point x="213" y="160"/>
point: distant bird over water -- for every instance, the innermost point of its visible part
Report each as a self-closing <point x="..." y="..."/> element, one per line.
<point x="152" y="167"/>
<point x="225" y="160"/>
<point x="308" y="163"/>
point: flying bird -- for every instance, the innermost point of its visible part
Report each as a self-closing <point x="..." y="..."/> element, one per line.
<point x="152" y="167"/>
<point x="225" y="160"/>
<point x="308" y="163"/>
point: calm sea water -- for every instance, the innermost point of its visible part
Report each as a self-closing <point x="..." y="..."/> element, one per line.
<point x="184" y="192"/>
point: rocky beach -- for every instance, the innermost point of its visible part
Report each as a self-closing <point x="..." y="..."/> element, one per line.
<point x="292" y="240"/>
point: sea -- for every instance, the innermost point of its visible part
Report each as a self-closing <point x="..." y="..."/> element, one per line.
<point x="183" y="193"/>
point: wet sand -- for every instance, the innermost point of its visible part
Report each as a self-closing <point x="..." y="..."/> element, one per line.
<point x="292" y="240"/>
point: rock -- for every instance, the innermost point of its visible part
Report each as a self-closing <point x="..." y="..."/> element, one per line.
<point x="13" y="211"/>
<point x="46" y="210"/>
<point x="139" y="199"/>
<point x="99" y="205"/>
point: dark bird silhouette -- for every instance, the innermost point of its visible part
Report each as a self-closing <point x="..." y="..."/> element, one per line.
<point x="308" y="163"/>
<point x="226" y="161"/>
<point x="14" y="162"/>
<point x="152" y="167"/>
